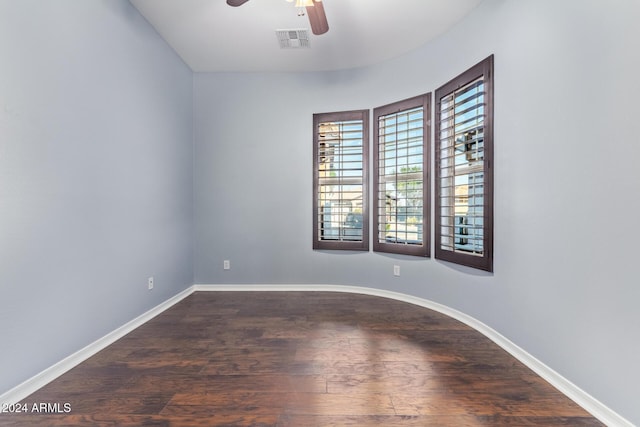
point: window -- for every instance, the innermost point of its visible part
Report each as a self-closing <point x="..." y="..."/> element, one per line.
<point x="340" y="180"/>
<point x="464" y="168"/>
<point x="401" y="177"/>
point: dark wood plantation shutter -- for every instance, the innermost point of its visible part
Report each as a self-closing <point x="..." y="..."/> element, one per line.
<point x="340" y="156"/>
<point x="464" y="168"/>
<point x="401" y="177"/>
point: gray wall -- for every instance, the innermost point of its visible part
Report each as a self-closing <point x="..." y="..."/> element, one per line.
<point x="96" y="168"/>
<point x="565" y="286"/>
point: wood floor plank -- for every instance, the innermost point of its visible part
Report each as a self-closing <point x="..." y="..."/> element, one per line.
<point x="301" y="359"/>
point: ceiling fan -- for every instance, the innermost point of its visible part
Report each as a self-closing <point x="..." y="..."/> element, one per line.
<point x="315" y="12"/>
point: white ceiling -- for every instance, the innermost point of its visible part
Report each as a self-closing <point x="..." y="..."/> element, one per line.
<point x="211" y="36"/>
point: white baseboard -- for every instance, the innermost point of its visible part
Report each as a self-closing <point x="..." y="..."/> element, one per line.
<point x="586" y="401"/>
<point x="33" y="384"/>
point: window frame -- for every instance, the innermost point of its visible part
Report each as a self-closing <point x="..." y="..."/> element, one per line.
<point x="352" y="115"/>
<point x="483" y="69"/>
<point x="423" y="249"/>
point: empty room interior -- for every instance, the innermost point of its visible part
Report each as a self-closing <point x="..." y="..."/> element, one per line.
<point x="166" y="164"/>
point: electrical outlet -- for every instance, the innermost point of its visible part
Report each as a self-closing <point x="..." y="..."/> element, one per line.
<point x="396" y="270"/>
<point x="227" y="264"/>
<point x="150" y="282"/>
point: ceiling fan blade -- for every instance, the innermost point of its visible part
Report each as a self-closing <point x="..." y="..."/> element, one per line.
<point x="317" y="18"/>
<point x="236" y="3"/>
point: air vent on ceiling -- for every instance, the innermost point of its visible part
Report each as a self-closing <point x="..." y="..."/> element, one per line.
<point x="293" y="39"/>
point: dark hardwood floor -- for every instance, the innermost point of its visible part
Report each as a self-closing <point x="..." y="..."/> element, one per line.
<point x="301" y="359"/>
